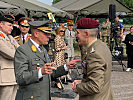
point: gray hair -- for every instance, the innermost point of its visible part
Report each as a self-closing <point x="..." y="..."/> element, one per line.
<point x="93" y="32"/>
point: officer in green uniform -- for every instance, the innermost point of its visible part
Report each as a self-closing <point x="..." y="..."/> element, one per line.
<point x="33" y="66"/>
<point x="106" y="31"/>
<point x="96" y="64"/>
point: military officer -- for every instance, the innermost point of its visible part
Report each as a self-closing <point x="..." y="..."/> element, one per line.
<point x="33" y="66"/>
<point x="8" y="45"/>
<point x="69" y="38"/>
<point x="106" y="31"/>
<point x="96" y="64"/>
<point x="24" y="29"/>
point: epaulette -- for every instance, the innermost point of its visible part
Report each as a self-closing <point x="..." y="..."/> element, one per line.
<point x="29" y="36"/>
<point x="1" y="35"/>
<point x="17" y="38"/>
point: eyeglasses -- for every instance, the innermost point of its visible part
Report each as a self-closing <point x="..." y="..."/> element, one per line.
<point x="62" y="31"/>
<point x="24" y="26"/>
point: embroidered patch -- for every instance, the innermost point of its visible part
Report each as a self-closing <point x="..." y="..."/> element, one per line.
<point x="1" y="35"/>
<point x="34" y="48"/>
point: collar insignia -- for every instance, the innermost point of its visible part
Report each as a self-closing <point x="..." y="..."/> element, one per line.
<point x="34" y="48"/>
<point x="1" y="35"/>
<point x="92" y="50"/>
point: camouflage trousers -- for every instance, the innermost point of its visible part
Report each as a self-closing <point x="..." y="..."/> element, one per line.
<point x="106" y="39"/>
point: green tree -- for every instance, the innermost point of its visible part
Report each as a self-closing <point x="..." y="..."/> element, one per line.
<point x="55" y="1"/>
<point x="128" y="3"/>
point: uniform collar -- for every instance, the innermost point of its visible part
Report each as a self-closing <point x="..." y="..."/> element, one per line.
<point x="3" y="33"/>
<point x="91" y="43"/>
<point x="25" y="36"/>
<point x="36" y="44"/>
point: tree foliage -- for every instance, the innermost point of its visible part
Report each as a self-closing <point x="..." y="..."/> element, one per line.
<point x="128" y="3"/>
<point x="55" y="1"/>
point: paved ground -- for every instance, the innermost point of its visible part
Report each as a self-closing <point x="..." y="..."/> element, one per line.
<point x="122" y="84"/>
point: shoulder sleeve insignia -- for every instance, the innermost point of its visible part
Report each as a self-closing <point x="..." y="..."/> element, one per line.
<point x="34" y="48"/>
<point x="1" y="35"/>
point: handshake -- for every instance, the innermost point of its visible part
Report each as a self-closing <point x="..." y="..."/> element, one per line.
<point x="48" y="68"/>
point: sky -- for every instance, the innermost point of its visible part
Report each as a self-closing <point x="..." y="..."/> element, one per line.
<point x="49" y="2"/>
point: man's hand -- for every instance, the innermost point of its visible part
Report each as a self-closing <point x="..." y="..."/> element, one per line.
<point x="131" y="42"/>
<point x="72" y="63"/>
<point x="74" y="85"/>
<point x="48" y="68"/>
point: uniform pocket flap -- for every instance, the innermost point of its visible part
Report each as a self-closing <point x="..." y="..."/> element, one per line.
<point x="31" y="95"/>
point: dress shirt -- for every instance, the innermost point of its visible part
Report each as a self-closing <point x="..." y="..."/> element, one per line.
<point x="25" y="36"/>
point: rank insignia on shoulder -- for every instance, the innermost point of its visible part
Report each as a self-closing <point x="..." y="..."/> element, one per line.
<point x="92" y="50"/>
<point x="1" y="35"/>
<point x="29" y="36"/>
<point x="17" y="38"/>
<point x="34" y="48"/>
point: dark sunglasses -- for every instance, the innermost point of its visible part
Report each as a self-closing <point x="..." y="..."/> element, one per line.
<point x="25" y="26"/>
<point x="62" y="31"/>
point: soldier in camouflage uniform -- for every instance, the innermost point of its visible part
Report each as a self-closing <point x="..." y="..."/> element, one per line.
<point x="117" y="32"/>
<point x="106" y="31"/>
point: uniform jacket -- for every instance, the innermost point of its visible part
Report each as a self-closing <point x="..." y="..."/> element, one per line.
<point x="8" y="46"/>
<point x="106" y="29"/>
<point x="69" y="38"/>
<point x="20" y="41"/>
<point x="95" y="84"/>
<point x="27" y="62"/>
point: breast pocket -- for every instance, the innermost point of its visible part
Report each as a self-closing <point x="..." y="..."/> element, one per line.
<point x="36" y="63"/>
<point x="34" y="95"/>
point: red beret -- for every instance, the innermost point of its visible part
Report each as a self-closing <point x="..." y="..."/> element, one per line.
<point x="87" y="23"/>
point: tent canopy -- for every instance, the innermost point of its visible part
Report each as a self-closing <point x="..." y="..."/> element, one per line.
<point x="6" y="8"/>
<point x="36" y="8"/>
<point x="92" y="7"/>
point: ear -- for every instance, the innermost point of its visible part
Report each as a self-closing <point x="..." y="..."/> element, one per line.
<point x="36" y="33"/>
<point x="87" y="33"/>
<point x="1" y="24"/>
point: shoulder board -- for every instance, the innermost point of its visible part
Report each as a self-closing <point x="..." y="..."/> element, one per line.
<point x="1" y="35"/>
<point x="17" y="37"/>
<point x="29" y="35"/>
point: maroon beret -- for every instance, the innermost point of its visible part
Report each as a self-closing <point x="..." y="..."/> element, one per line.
<point x="87" y="23"/>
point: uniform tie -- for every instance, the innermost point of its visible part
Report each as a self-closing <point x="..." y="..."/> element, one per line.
<point x="41" y="49"/>
<point x="70" y="33"/>
<point x="44" y="53"/>
<point x="23" y="40"/>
